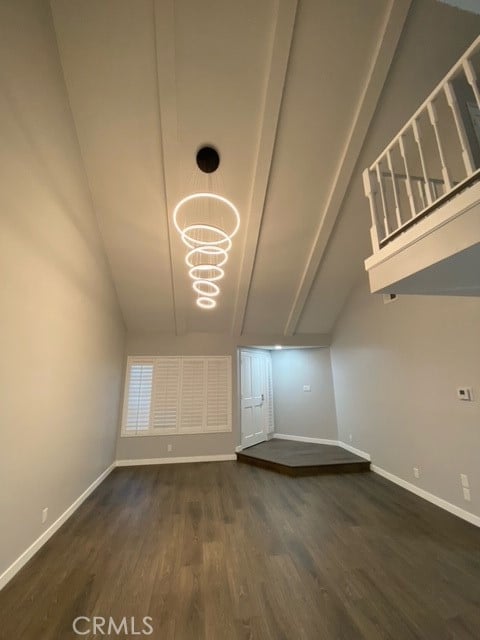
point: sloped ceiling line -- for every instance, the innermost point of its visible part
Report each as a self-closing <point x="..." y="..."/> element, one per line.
<point x="164" y="23"/>
<point x="394" y="22"/>
<point x="274" y="86"/>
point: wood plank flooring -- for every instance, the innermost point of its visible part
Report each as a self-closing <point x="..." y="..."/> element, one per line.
<point x="303" y="458"/>
<point x="223" y="551"/>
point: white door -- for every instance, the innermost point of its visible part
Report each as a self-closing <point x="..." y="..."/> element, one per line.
<point x="254" y="425"/>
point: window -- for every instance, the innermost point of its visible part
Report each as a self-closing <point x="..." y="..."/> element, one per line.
<point x="166" y="395"/>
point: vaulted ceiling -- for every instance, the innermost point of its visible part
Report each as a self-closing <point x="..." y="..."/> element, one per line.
<point x="297" y="96"/>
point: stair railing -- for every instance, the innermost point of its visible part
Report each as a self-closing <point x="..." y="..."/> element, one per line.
<point x="435" y="154"/>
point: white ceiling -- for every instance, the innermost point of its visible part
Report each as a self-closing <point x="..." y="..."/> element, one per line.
<point x="286" y="92"/>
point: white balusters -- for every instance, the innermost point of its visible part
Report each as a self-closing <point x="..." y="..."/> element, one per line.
<point x="416" y="135"/>
<point x="471" y="76"/>
<point x="408" y="180"/>
<point x="395" y="189"/>
<point x="431" y="148"/>
<point x="369" y="192"/>
<point x="462" y="134"/>
<point x="382" y="198"/>
<point x="432" y="114"/>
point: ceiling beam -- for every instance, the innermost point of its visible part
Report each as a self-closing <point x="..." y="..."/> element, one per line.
<point x="298" y="340"/>
<point x="164" y="25"/>
<point x="394" y="21"/>
<point x="274" y="85"/>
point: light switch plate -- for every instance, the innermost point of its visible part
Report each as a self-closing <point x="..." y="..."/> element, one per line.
<point x="307" y="387"/>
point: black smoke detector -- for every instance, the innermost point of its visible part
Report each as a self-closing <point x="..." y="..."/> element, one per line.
<point x="208" y="159"/>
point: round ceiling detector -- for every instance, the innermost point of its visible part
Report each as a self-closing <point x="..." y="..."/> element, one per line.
<point x="208" y="159"/>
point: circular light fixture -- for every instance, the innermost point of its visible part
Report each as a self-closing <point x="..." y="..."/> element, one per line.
<point x="208" y="196"/>
<point x="207" y="251"/>
<point x="193" y="242"/>
<point x="212" y="289"/>
<point x="206" y="303"/>
<point x="202" y="230"/>
<point x="203" y="269"/>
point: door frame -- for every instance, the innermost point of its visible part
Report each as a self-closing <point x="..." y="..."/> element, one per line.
<point x="268" y="416"/>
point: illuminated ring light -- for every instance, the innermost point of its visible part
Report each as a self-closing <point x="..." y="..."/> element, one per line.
<point x="202" y="268"/>
<point x="193" y="242"/>
<point x="208" y="196"/>
<point x="206" y="303"/>
<point x="198" y="288"/>
<point x="207" y="251"/>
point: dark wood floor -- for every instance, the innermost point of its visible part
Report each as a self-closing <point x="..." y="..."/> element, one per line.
<point x="223" y="551"/>
<point x="302" y="458"/>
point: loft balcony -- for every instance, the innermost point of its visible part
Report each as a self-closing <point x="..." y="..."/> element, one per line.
<point x="424" y="193"/>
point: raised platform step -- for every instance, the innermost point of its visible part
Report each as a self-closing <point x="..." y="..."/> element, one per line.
<point x="302" y="458"/>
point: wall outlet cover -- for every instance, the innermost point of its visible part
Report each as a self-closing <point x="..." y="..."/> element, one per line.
<point x="465" y="393"/>
<point x="466" y="494"/>
<point x="464" y="480"/>
<point x="416" y="472"/>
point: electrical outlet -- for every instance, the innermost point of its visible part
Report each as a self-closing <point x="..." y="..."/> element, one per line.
<point x="307" y="387"/>
<point x="44" y="515"/>
<point x="465" y="393"/>
<point x="466" y="494"/>
<point x="416" y="472"/>
<point x="350" y="437"/>
<point x="169" y="447"/>
<point x="464" y="480"/>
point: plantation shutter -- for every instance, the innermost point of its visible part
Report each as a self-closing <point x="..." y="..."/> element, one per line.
<point x="177" y="395"/>
<point x="192" y="396"/>
<point x="139" y="396"/>
<point x="217" y="394"/>
<point x="166" y="394"/>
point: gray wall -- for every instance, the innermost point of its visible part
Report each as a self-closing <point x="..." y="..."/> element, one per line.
<point x="201" y="344"/>
<point x="62" y="333"/>
<point x="316" y="367"/>
<point x="396" y="368"/>
<point x="297" y="412"/>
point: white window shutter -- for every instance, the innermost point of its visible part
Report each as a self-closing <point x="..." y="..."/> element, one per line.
<point x="166" y="393"/>
<point x="177" y="395"/>
<point x="139" y="396"/>
<point x="218" y="394"/>
<point x="192" y="395"/>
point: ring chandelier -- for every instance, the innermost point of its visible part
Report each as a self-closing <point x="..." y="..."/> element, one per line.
<point x="208" y="240"/>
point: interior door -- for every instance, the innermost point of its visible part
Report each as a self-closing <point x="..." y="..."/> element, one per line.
<point x="254" y="429"/>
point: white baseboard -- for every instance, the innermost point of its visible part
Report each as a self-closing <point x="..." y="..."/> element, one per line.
<point x="146" y="461"/>
<point x="430" y="497"/>
<point x="439" y="502"/>
<point x="358" y="452"/>
<point x="283" y="436"/>
<point x="15" y="567"/>
<point x="241" y="447"/>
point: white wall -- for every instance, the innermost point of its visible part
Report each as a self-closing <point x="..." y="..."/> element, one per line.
<point x="62" y="336"/>
<point x="297" y="412"/>
<point x="396" y="368"/>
